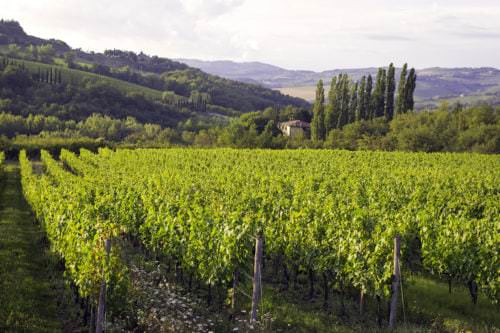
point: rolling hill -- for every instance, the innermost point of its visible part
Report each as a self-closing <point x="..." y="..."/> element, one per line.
<point x="155" y="74"/>
<point x="466" y="85"/>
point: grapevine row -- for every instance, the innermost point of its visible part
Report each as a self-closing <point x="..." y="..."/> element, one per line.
<point x="331" y="214"/>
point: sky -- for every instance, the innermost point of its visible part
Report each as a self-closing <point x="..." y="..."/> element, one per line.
<point x="294" y="34"/>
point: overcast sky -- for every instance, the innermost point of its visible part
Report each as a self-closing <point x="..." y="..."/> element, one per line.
<point x="295" y="34"/>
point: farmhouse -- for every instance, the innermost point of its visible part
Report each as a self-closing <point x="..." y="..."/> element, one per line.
<point x="294" y="128"/>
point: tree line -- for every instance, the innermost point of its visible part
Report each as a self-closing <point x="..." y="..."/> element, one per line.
<point x="349" y="101"/>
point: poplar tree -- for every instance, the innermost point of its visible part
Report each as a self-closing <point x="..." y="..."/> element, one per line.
<point x="400" y="102"/>
<point x="411" y="83"/>
<point x="368" y="98"/>
<point x="361" y="107"/>
<point x="331" y="117"/>
<point x="344" y="102"/>
<point x="390" y="87"/>
<point x="353" y="104"/>
<point x="378" y="98"/>
<point x="318" y="121"/>
<point x="339" y="88"/>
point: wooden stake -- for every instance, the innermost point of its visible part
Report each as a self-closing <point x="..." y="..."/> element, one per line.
<point x="101" y="310"/>
<point x="236" y="276"/>
<point x="395" y="283"/>
<point x="92" y="319"/>
<point x="379" y="311"/>
<point x="256" y="295"/>
<point x="361" y="301"/>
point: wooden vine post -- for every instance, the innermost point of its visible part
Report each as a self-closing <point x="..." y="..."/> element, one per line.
<point x="395" y="282"/>
<point x="256" y="295"/>
<point x="101" y="310"/>
<point x="236" y="276"/>
<point x="361" y="301"/>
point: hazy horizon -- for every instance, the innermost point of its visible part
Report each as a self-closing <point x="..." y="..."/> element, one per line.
<point x="397" y="65"/>
<point x="318" y="35"/>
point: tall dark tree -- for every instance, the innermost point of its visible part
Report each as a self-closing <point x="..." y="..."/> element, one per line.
<point x="344" y="101"/>
<point x="339" y="100"/>
<point x="411" y="83"/>
<point x="390" y="87"/>
<point x="353" y="104"/>
<point x="400" y="101"/>
<point x="368" y="98"/>
<point x="361" y="106"/>
<point x="378" y="97"/>
<point x="318" y="121"/>
<point x="331" y="112"/>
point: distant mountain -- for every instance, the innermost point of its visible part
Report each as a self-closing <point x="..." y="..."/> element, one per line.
<point x="468" y="85"/>
<point x="264" y="74"/>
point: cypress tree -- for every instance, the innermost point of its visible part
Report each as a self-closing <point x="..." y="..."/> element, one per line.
<point x="47" y="76"/>
<point x="400" y="102"/>
<point x="59" y="77"/>
<point x="390" y="87"/>
<point x="381" y="104"/>
<point x="368" y="98"/>
<point x="344" y="102"/>
<point x="318" y="121"/>
<point x="339" y="88"/>
<point x="411" y="83"/>
<point x="353" y="104"/>
<point x="360" y="110"/>
<point x="331" y="117"/>
<point x="375" y="95"/>
<point x="50" y="76"/>
<point x="378" y="98"/>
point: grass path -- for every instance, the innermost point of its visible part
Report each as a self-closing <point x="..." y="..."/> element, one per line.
<point x="33" y="295"/>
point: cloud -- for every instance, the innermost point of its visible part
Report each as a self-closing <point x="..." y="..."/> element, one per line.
<point x="477" y="34"/>
<point x="389" y="38"/>
<point x="314" y="34"/>
<point x="210" y="8"/>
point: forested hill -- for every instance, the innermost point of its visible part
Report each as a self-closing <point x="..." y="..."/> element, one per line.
<point x="153" y="72"/>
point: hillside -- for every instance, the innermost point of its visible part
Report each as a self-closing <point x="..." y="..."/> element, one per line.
<point x="466" y="85"/>
<point x="11" y="32"/>
<point x="160" y="74"/>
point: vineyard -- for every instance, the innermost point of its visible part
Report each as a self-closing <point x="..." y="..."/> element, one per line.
<point x="344" y="220"/>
